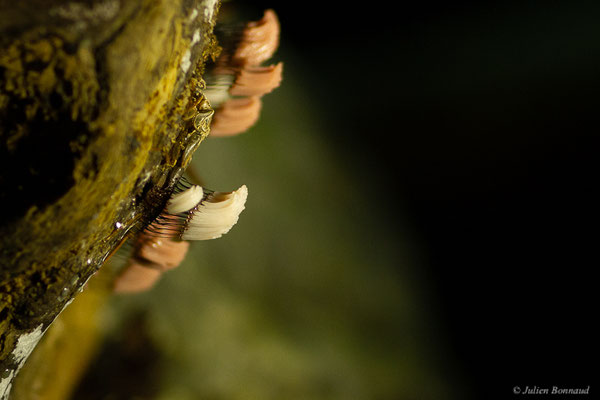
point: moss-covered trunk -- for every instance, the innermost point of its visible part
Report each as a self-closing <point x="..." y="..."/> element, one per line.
<point x="95" y="129"/>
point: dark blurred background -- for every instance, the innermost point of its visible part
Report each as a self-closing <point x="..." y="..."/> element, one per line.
<point x="421" y="222"/>
<point x="477" y="121"/>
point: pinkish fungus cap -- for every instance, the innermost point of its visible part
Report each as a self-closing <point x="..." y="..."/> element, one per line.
<point x="164" y="253"/>
<point x="259" y="41"/>
<point x="136" y="278"/>
<point x="257" y="81"/>
<point x="235" y="116"/>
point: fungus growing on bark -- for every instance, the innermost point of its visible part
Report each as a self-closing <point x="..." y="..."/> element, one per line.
<point x="198" y="214"/>
<point x="237" y="81"/>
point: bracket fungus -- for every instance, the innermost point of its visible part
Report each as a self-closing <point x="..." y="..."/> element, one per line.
<point x="192" y="214"/>
<point x="237" y="80"/>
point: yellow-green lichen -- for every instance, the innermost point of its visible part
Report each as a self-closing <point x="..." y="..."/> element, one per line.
<point x="38" y="66"/>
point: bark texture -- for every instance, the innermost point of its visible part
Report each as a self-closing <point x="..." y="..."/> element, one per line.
<point x="97" y="107"/>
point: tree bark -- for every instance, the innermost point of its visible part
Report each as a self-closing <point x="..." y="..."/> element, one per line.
<point x="97" y="107"/>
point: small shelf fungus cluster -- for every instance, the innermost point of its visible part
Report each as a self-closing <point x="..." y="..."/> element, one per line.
<point x="238" y="80"/>
<point x="235" y="84"/>
<point x="192" y="214"/>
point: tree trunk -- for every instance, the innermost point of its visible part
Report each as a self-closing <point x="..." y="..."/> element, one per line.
<point x="97" y="101"/>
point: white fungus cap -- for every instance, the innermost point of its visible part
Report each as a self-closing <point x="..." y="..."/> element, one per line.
<point x="217" y="90"/>
<point x="186" y="200"/>
<point x="216" y="215"/>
